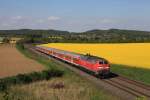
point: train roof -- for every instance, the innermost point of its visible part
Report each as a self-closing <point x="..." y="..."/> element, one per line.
<point x="91" y="58"/>
<point x="62" y="51"/>
<point x="87" y="57"/>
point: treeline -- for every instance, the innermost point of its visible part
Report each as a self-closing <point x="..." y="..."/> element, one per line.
<point x="92" y="36"/>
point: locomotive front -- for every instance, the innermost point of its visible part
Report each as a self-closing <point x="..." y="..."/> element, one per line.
<point x="103" y="68"/>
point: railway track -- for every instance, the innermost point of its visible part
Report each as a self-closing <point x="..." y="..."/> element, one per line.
<point x="136" y="89"/>
<point x="140" y="84"/>
<point x="123" y="87"/>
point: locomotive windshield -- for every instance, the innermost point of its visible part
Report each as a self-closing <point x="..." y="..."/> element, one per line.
<point x="103" y="62"/>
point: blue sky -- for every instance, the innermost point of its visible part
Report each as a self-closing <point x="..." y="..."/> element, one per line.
<point x="75" y="15"/>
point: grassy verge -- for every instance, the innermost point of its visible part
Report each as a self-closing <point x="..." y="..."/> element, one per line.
<point x="69" y="86"/>
<point x="135" y="73"/>
<point x="49" y="64"/>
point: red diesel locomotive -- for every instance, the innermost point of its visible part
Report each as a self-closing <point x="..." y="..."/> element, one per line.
<point x="99" y="66"/>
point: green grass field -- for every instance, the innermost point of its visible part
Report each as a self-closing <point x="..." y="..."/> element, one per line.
<point x="134" y="73"/>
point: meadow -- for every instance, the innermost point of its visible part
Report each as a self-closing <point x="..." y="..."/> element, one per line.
<point x="132" y="54"/>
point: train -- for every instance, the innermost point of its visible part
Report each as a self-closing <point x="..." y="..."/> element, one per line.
<point x="99" y="66"/>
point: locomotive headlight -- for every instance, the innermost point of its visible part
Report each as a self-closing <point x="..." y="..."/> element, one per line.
<point x="100" y="67"/>
<point x="107" y="67"/>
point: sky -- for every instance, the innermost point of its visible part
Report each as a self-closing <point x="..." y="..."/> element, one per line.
<point x="75" y="15"/>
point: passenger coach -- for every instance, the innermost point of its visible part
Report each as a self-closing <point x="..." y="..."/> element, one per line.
<point x="99" y="66"/>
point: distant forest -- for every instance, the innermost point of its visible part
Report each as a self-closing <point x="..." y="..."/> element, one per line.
<point x="92" y="36"/>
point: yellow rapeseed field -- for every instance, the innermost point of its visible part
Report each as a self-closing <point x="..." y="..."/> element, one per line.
<point x="133" y="54"/>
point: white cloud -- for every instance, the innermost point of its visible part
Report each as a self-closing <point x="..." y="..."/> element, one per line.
<point x="53" y="18"/>
<point x="5" y="24"/>
<point x="107" y="21"/>
<point x="72" y="24"/>
<point x="17" y="17"/>
<point x="40" y="21"/>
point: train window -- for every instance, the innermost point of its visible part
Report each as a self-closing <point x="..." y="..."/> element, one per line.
<point x="75" y="59"/>
<point x="105" y="62"/>
<point x="101" y="62"/>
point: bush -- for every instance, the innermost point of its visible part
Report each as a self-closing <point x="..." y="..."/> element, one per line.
<point x="3" y="86"/>
<point x="45" y="75"/>
<point x="35" y="76"/>
<point x="20" y="44"/>
<point x="55" y="73"/>
<point x="28" y="78"/>
<point x="23" y="79"/>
